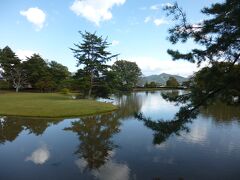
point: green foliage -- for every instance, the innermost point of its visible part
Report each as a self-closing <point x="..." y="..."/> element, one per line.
<point x="150" y="85"/>
<point x="65" y="91"/>
<point x="35" y="72"/>
<point x="36" y="69"/>
<point x="172" y="82"/>
<point x="222" y="77"/>
<point x="58" y="72"/>
<point x="218" y="35"/>
<point x="219" y="39"/>
<point x="126" y="74"/>
<point x="69" y="83"/>
<point x="13" y="69"/>
<point x="4" y="85"/>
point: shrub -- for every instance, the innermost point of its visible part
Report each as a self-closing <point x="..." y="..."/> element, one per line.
<point x="65" y="91"/>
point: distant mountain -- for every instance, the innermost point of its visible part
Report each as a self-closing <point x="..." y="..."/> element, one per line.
<point x="160" y="79"/>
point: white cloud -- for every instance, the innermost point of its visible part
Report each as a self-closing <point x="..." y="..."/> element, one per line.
<point x="112" y="170"/>
<point x="151" y="66"/>
<point x="115" y="43"/>
<point x="198" y="133"/>
<point x="147" y="19"/>
<point x="24" y="54"/>
<point x="81" y="164"/>
<point x="39" y="156"/>
<point x="95" y="10"/>
<point x="160" y="21"/>
<point x="158" y="6"/>
<point x="35" y="16"/>
<point x="109" y="170"/>
<point x="155" y="7"/>
<point x="167" y="5"/>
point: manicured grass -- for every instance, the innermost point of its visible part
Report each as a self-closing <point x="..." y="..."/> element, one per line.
<point x="49" y="105"/>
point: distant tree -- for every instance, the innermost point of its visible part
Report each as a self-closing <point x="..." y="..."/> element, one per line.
<point x="146" y="85"/>
<point x="46" y="84"/>
<point x="92" y="55"/>
<point x="172" y="82"/>
<point x="58" y="72"/>
<point x="81" y="80"/>
<point x="150" y="85"/>
<point x="36" y="69"/>
<point x="12" y="67"/>
<point x="186" y="83"/>
<point x="127" y="74"/>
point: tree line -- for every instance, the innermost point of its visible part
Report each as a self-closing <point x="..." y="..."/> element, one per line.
<point x="93" y="78"/>
<point x="34" y="73"/>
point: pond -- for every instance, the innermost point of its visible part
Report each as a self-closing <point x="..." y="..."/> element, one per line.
<point x="118" y="146"/>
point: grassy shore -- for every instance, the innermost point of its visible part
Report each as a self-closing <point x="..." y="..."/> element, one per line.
<point x="49" y="105"/>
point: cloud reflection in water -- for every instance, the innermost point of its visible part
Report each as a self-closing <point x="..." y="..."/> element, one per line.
<point x="110" y="170"/>
<point x="39" y="156"/>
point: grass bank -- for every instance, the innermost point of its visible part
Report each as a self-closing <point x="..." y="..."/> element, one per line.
<point x="50" y="105"/>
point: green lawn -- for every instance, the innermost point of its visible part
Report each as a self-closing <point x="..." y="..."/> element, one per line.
<point x="49" y="105"/>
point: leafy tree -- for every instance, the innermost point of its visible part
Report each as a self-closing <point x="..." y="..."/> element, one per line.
<point x="150" y="85"/>
<point x="13" y="70"/>
<point x="46" y="84"/>
<point x="58" y="72"/>
<point x="127" y="74"/>
<point x="82" y="79"/>
<point x="92" y="55"/>
<point x="172" y="82"/>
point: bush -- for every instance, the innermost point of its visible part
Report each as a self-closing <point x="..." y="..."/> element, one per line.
<point x="4" y="85"/>
<point x="65" y="91"/>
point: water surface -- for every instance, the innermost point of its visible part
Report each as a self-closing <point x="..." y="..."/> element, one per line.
<point x="118" y="146"/>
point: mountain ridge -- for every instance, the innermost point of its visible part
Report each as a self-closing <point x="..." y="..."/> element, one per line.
<point x="160" y="79"/>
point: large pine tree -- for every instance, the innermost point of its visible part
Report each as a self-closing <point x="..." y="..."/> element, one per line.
<point x="218" y="39"/>
<point x="92" y="55"/>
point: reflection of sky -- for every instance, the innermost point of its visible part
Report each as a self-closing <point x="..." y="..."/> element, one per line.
<point x="1" y="119"/>
<point x="110" y="170"/>
<point x="198" y="133"/>
<point x="40" y="155"/>
<point x="154" y="106"/>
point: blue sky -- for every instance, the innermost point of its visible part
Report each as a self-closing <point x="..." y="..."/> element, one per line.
<point x="137" y="29"/>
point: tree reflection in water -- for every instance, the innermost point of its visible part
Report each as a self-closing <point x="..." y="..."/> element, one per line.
<point x="11" y="127"/>
<point x="220" y="112"/>
<point x="95" y="134"/>
<point x="163" y="129"/>
<point x="129" y="105"/>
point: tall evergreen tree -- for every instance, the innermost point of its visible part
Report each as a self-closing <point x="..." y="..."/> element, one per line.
<point x="92" y="55"/>
<point x="219" y="40"/>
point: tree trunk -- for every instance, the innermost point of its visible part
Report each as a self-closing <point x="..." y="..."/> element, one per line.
<point x="17" y="89"/>
<point x="91" y="84"/>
